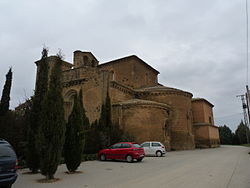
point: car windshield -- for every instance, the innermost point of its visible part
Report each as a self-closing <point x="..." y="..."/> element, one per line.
<point x="137" y="145"/>
<point x="6" y="151"/>
<point x="115" y="146"/>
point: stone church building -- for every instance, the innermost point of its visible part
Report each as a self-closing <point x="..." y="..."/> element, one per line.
<point x="141" y="106"/>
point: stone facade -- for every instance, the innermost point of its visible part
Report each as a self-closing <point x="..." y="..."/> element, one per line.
<point x="206" y="133"/>
<point x="141" y="106"/>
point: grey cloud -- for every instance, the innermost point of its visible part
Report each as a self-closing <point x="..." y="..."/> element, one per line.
<point x="198" y="46"/>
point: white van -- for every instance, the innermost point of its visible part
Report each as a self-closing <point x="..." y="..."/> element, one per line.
<point x="154" y="148"/>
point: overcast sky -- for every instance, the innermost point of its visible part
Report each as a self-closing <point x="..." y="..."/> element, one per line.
<point x="198" y="46"/>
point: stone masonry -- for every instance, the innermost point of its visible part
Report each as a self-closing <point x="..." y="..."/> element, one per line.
<point x="141" y="106"/>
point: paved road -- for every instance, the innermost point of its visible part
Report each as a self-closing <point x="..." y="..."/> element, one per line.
<point x="224" y="167"/>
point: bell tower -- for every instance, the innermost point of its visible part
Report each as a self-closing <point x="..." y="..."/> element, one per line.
<point x="84" y="59"/>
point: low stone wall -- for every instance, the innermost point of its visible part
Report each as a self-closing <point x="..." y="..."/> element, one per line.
<point x="207" y="143"/>
<point x="182" y="141"/>
<point x="206" y="136"/>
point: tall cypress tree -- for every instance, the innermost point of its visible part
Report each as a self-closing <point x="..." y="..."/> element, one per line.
<point x="108" y="112"/>
<point x="52" y="131"/>
<point x="108" y="119"/>
<point x="85" y="118"/>
<point x="74" y="141"/>
<point x="35" y="116"/>
<point x="5" y="99"/>
<point x="105" y="123"/>
<point x="105" y="117"/>
<point x="102" y="120"/>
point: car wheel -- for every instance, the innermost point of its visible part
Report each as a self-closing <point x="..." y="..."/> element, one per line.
<point x="158" y="153"/>
<point x="7" y="186"/>
<point x="129" y="158"/>
<point x="139" y="160"/>
<point x="102" y="157"/>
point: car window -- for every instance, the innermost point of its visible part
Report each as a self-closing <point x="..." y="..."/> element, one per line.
<point x="156" y="144"/>
<point x="115" y="146"/>
<point x="147" y="144"/>
<point x="137" y="145"/>
<point x="126" y="146"/>
<point x="6" y="151"/>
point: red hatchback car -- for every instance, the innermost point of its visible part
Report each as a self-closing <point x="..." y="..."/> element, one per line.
<point x="122" y="151"/>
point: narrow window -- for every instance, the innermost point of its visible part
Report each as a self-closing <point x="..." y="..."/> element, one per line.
<point x="210" y="119"/>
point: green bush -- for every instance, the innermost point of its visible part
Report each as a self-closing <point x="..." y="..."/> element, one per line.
<point x="22" y="164"/>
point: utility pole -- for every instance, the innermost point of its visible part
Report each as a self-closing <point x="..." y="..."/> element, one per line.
<point x="248" y="113"/>
<point x="244" y="107"/>
<point x="247" y="100"/>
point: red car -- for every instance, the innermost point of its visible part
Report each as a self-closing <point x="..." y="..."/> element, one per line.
<point x="122" y="151"/>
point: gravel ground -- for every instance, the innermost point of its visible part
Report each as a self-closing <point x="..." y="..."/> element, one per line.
<point x="224" y="167"/>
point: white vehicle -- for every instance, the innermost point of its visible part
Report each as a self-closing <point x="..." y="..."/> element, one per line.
<point x="154" y="148"/>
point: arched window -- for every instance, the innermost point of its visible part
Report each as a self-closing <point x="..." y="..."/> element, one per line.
<point x="69" y="101"/>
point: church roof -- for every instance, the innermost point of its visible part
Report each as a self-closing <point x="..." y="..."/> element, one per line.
<point x="120" y="60"/>
<point x="202" y="99"/>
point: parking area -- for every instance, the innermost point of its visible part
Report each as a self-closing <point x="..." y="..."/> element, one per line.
<point x="227" y="166"/>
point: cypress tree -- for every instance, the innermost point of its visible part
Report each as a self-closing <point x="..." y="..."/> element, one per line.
<point x="242" y="133"/>
<point x="5" y="99"/>
<point x="108" y="112"/>
<point x="105" y="117"/>
<point x="105" y="123"/>
<point x="92" y="139"/>
<point x="52" y="131"/>
<point x="226" y="135"/>
<point x="108" y="119"/>
<point x="35" y="116"/>
<point x="102" y="120"/>
<point x="86" y="124"/>
<point x="85" y="118"/>
<point x="74" y="140"/>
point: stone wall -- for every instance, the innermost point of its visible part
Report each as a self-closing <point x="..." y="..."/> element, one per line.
<point x="84" y="59"/>
<point x="208" y="111"/>
<point x="198" y="112"/>
<point x="214" y="136"/>
<point x="144" y="120"/>
<point x="181" y="126"/>
<point x="202" y="111"/>
<point x="131" y="72"/>
<point x="51" y="60"/>
<point x="94" y="85"/>
<point x="119" y="93"/>
<point x="206" y="136"/>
